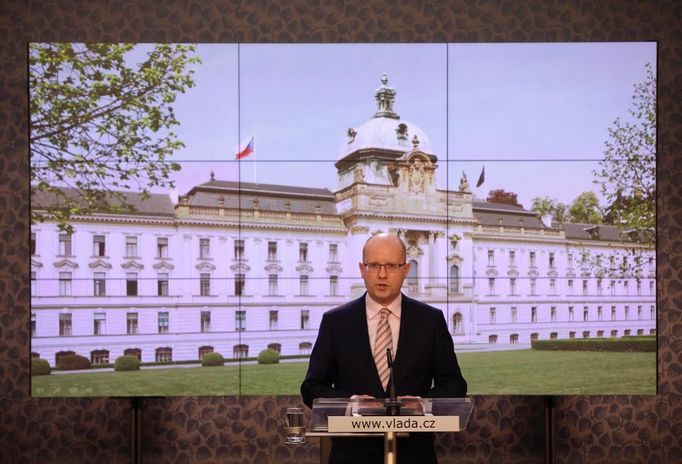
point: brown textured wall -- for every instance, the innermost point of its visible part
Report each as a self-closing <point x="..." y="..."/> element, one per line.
<point x="248" y="429"/>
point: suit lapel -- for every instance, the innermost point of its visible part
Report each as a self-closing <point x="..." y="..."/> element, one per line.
<point x="362" y="345"/>
<point x="405" y="337"/>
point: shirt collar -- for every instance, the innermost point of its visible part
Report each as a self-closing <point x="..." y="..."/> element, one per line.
<point x="373" y="308"/>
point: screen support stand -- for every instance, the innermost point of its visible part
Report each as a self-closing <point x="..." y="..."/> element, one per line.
<point x="136" y="431"/>
<point x="549" y="430"/>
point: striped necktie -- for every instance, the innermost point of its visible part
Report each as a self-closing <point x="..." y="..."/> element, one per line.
<point x="382" y="341"/>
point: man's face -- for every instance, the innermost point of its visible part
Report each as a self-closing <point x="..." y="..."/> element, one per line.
<point x="382" y="284"/>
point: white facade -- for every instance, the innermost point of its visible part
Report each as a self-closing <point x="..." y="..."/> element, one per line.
<point x="166" y="282"/>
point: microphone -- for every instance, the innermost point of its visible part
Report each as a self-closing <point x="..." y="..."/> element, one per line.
<point x="392" y="404"/>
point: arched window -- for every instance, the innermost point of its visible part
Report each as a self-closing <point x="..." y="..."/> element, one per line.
<point x="35" y="355"/>
<point x="553" y="336"/>
<point x="164" y="354"/>
<point x="534" y="336"/>
<point x="413" y="278"/>
<point x="457" y="324"/>
<point x="453" y="282"/>
<point x="492" y="339"/>
<point x="240" y="351"/>
<point x="514" y="338"/>
<point x="305" y="347"/>
<point x="276" y="347"/>
<point x="61" y="354"/>
<point x="203" y="350"/>
<point x="133" y="352"/>
<point x="99" y="357"/>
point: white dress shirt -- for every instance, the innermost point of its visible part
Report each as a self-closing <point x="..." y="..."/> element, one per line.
<point x="372" y="309"/>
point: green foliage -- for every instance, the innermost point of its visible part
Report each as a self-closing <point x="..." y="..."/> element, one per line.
<point x="212" y="359"/>
<point x="585" y="209"/>
<point x="73" y="362"/>
<point x="628" y="344"/>
<point x="127" y="363"/>
<point x="627" y="175"/>
<point x="268" y="356"/>
<point x="101" y="122"/>
<point x="546" y="205"/>
<point x="39" y="367"/>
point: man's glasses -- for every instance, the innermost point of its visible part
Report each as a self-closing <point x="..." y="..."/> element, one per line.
<point x="390" y="267"/>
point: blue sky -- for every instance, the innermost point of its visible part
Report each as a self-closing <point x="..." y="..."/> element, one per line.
<point x="535" y="114"/>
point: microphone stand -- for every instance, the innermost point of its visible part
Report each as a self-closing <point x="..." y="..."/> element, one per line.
<point x="392" y="403"/>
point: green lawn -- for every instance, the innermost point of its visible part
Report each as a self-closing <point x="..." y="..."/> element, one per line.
<point x="511" y="372"/>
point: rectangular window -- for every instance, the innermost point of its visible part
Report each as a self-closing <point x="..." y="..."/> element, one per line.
<point x="206" y="321"/>
<point x="571" y="314"/>
<point x="552" y="286"/>
<point x="33" y="325"/>
<point x="205" y="284"/>
<point x="100" y="284"/>
<point x="533" y="314"/>
<point x="272" y="251"/>
<point x="98" y="245"/>
<point x="34" y="284"/>
<point x="514" y="314"/>
<point x="333" y="285"/>
<point x="239" y="283"/>
<point x="512" y="286"/>
<point x="65" y="244"/>
<point x="627" y="313"/>
<point x="493" y="315"/>
<point x="599" y="287"/>
<point x="626" y="287"/>
<point x="131" y="247"/>
<point x="612" y="286"/>
<point x="33" y="244"/>
<point x="303" y="252"/>
<point x="162" y="247"/>
<point x="131" y="284"/>
<point x="651" y="287"/>
<point x="613" y="313"/>
<point x="240" y="320"/>
<point x="491" y="257"/>
<point x="131" y="323"/>
<point x="162" y="284"/>
<point x="491" y="285"/>
<point x="553" y="313"/>
<point x="163" y="322"/>
<point x="305" y="318"/>
<point x="533" y="285"/>
<point x="569" y="260"/>
<point x="100" y="324"/>
<point x="586" y="314"/>
<point x="512" y="258"/>
<point x="600" y="313"/>
<point x="652" y="312"/>
<point x="64" y="284"/>
<point x="272" y="284"/>
<point x="532" y="259"/>
<point x="639" y="313"/>
<point x="639" y="287"/>
<point x="274" y="319"/>
<point x="570" y="287"/>
<point x="239" y="249"/>
<point x="204" y="248"/>
<point x="333" y="252"/>
<point x="552" y="263"/>
<point x="584" y="287"/>
<point x="65" y="324"/>
<point x="303" y="284"/>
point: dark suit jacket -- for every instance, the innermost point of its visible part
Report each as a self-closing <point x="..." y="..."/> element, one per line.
<point x="342" y="365"/>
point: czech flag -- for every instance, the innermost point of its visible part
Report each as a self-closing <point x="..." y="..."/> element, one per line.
<point x="246" y="150"/>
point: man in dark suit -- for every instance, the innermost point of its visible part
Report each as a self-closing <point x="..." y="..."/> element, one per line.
<point x="349" y="355"/>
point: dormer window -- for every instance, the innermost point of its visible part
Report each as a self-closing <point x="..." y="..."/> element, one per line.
<point x="401" y="131"/>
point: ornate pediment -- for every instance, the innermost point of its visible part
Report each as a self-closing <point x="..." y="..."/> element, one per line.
<point x="35" y="263"/>
<point x="334" y="269"/>
<point x="455" y="259"/>
<point x="414" y="252"/>
<point x="273" y="268"/>
<point x="513" y="272"/>
<point x="533" y="273"/>
<point x="163" y="265"/>
<point x="240" y="267"/>
<point x="132" y="265"/>
<point x="205" y="267"/>
<point x="66" y="263"/>
<point x="304" y="268"/>
<point x="491" y="272"/>
<point x="585" y="273"/>
<point x="552" y="273"/>
<point x="570" y="273"/>
<point x="99" y="264"/>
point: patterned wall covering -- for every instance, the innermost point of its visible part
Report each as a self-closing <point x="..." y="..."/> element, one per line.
<point x="248" y="429"/>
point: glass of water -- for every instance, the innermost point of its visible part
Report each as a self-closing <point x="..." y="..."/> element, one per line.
<point x="295" y="428"/>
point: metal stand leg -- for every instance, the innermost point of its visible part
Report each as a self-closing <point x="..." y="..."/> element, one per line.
<point x="390" y="448"/>
<point x="549" y="430"/>
<point x="136" y="433"/>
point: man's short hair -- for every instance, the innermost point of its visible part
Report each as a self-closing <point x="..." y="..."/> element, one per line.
<point x="400" y="241"/>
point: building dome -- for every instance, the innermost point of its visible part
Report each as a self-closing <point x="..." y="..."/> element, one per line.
<point x="385" y="130"/>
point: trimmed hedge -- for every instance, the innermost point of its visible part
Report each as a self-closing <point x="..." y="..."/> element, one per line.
<point x="625" y="344"/>
<point x="212" y="359"/>
<point x="268" y="356"/>
<point x="73" y="362"/>
<point x="127" y="363"/>
<point x="40" y="367"/>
